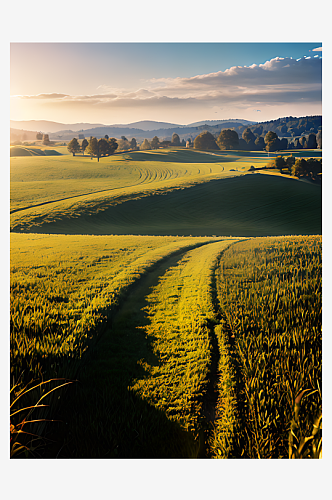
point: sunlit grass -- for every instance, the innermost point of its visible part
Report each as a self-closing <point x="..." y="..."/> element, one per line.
<point x="184" y="192"/>
<point x="36" y="180"/>
<point x="179" y="311"/>
<point x="64" y="288"/>
<point x="270" y="297"/>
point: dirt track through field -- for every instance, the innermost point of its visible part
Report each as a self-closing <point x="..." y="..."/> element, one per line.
<point x="132" y="312"/>
<point x="118" y="351"/>
<point x="135" y="301"/>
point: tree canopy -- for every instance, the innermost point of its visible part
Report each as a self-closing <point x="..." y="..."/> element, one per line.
<point x="319" y="139"/>
<point x="228" y="139"/>
<point x="155" y="142"/>
<point x="312" y="141"/>
<point x="249" y="137"/>
<point x="124" y="144"/>
<point x="259" y="142"/>
<point x="84" y="145"/>
<point x="310" y="167"/>
<point x="281" y="162"/>
<point x="145" y="144"/>
<point x="92" y="147"/>
<point x="205" y="141"/>
<point x="272" y="141"/>
<point x="175" y="139"/>
<point x="103" y="147"/>
<point x="73" y="146"/>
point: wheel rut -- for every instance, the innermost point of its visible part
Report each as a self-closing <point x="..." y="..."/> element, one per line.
<point x="133" y="306"/>
<point x="117" y="353"/>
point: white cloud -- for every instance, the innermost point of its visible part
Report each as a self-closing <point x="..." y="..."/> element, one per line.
<point x="317" y="49"/>
<point x="43" y="96"/>
<point x="278" y="81"/>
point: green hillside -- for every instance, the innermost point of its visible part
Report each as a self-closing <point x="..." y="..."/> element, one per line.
<point x="250" y="205"/>
<point x="165" y="192"/>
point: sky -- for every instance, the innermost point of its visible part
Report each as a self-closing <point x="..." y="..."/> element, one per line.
<point x="119" y="83"/>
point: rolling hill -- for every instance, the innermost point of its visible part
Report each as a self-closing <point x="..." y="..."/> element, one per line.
<point x="169" y="192"/>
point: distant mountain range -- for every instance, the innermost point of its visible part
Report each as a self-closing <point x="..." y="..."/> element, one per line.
<point x="284" y="127"/>
<point x="24" y="130"/>
<point x="47" y="127"/>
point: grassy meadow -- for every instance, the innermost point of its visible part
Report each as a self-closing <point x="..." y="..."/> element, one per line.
<point x="166" y="192"/>
<point x="270" y="302"/>
<point x="179" y="340"/>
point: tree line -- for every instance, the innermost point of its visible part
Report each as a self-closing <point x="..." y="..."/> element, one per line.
<point x="228" y="139"/>
<point x="107" y="146"/>
<point x="310" y="168"/>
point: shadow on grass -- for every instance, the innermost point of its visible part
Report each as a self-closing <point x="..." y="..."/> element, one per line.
<point x="102" y="417"/>
<point x="179" y="156"/>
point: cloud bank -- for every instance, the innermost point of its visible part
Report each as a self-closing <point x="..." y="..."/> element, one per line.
<point x="280" y="81"/>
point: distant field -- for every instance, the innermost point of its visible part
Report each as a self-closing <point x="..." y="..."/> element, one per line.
<point x="121" y="195"/>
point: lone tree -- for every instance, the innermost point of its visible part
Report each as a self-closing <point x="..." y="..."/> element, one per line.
<point x="228" y="139"/>
<point x="205" y="141"/>
<point x="84" y="145"/>
<point x="39" y="136"/>
<point x="73" y="146"/>
<point x="175" y="140"/>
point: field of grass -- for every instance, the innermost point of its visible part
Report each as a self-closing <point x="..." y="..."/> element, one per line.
<point x="143" y="356"/>
<point x="270" y="297"/>
<point x="180" y="310"/>
<point x="138" y="170"/>
<point x="177" y="192"/>
<point x="65" y="291"/>
<point x="64" y="286"/>
<point x="183" y="344"/>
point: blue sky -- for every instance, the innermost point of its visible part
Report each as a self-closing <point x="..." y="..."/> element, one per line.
<point x="175" y="82"/>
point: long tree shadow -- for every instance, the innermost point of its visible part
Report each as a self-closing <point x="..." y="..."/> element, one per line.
<point x="102" y="417"/>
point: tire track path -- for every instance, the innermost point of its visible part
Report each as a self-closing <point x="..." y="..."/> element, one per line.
<point x="103" y="406"/>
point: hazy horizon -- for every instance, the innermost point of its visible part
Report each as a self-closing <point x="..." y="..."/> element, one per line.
<point x="180" y="83"/>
